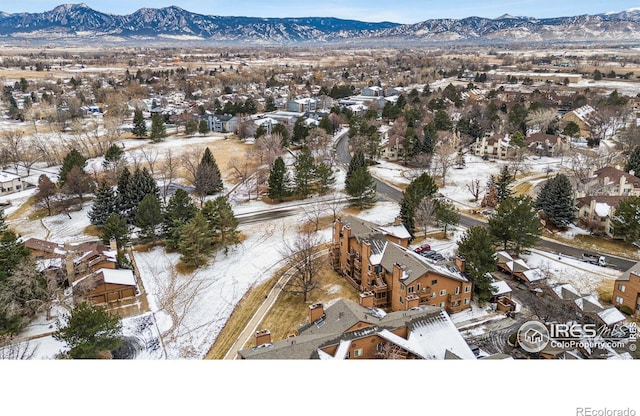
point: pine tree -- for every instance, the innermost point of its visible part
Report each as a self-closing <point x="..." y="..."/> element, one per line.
<point x="222" y="222"/>
<point x="361" y="187"/>
<point x="113" y="156"/>
<point x="556" y="201"/>
<point x="300" y="131"/>
<point x="178" y="212"/>
<point x="633" y="163"/>
<point x="140" y="185"/>
<point x="325" y="177"/>
<point x="415" y="192"/>
<point x="503" y="184"/>
<point x="303" y="172"/>
<point x="278" y="181"/>
<point x="139" y="125"/>
<point x="104" y="204"/>
<point x="203" y="127"/>
<point x="158" y="129"/>
<point x="357" y="161"/>
<point x="115" y="228"/>
<point x="476" y="248"/>
<point x="12" y="252"/>
<point x="88" y="331"/>
<point x="123" y="204"/>
<point x="148" y="216"/>
<point x="196" y="241"/>
<point x="73" y="158"/>
<point x="625" y="222"/>
<point x="515" y="223"/>
<point x="191" y="128"/>
<point x="326" y="125"/>
<point x="208" y="179"/>
<point x="446" y="215"/>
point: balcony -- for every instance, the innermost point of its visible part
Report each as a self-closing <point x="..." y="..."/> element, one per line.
<point x="455" y="309"/>
<point x="453" y="297"/>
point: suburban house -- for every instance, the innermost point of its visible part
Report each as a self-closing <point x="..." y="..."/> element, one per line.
<point x="497" y="147"/>
<point x="373" y="91"/>
<point x="583" y="117"/>
<point x="611" y="181"/>
<point x="519" y="269"/>
<point x="586" y="306"/>
<point x="303" y="105"/>
<point x="346" y="331"/>
<point x="376" y="261"/>
<point x="105" y="286"/>
<point x="542" y="144"/>
<point x="595" y="213"/>
<point x="222" y="123"/>
<point x="10" y="183"/>
<point x="626" y="291"/>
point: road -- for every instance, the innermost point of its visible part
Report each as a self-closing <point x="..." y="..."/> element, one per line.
<point x="384" y="190"/>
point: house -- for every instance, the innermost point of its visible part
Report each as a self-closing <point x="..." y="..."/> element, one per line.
<point x="520" y="270"/>
<point x="375" y="260"/>
<point x="584" y="117"/>
<point x="10" y="183"/>
<point x="373" y="91"/>
<point x="611" y="181"/>
<point x="595" y="213"/>
<point x="542" y="144"/>
<point x="626" y="291"/>
<point x="346" y="330"/>
<point x="222" y="123"/>
<point x="105" y="286"/>
<point x="497" y="147"/>
<point x="302" y="105"/>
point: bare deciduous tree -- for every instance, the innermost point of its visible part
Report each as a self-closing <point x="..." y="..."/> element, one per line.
<point x="425" y="213"/>
<point x="475" y="189"/>
<point x="306" y="260"/>
<point x="167" y="172"/>
<point x="444" y="156"/>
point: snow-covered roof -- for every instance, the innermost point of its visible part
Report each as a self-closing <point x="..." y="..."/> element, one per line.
<point x="602" y="209"/>
<point x="589" y="304"/>
<point x="8" y="177"/>
<point x="583" y="112"/>
<point x="533" y="275"/>
<point x="399" y="230"/>
<point x="501" y="287"/>
<point x="433" y="337"/>
<point x="611" y="316"/>
<point x="118" y="276"/>
<point x="565" y="291"/>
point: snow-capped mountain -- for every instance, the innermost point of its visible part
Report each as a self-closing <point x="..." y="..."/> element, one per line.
<point x="78" y="21"/>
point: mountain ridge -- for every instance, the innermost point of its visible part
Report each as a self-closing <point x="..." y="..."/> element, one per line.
<point x="79" y="21"/>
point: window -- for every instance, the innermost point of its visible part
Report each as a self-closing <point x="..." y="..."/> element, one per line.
<point x="433" y="294"/>
<point x="457" y="290"/>
<point x="401" y="299"/>
<point x="402" y="287"/>
<point x="621" y="287"/>
<point x="619" y="300"/>
<point x="379" y="347"/>
<point x="418" y="287"/>
<point x="456" y="303"/>
<point x="442" y="304"/>
<point x="434" y="282"/>
<point x="358" y="352"/>
<point x="369" y="267"/>
<point x="410" y="289"/>
<point x="467" y="289"/>
<point x="466" y="301"/>
<point x="443" y="292"/>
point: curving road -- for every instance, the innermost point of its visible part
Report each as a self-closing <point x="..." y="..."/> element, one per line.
<point x="343" y="155"/>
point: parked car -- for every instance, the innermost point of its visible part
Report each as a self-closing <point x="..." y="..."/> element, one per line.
<point x="422" y="248"/>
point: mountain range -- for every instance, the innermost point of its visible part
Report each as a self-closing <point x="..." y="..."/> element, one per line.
<point x="80" y="22"/>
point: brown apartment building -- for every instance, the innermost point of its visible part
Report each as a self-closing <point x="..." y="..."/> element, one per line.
<point x="375" y="259"/>
<point x="626" y="290"/>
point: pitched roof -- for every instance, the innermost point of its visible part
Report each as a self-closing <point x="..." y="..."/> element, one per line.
<point x="363" y="229"/>
<point x="566" y="292"/>
<point x="635" y="270"/>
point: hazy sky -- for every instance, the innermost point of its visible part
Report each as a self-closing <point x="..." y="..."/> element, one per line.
<point x="399" y="11"/>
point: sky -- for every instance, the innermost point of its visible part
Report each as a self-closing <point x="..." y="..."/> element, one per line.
<point x="400" y="11"/>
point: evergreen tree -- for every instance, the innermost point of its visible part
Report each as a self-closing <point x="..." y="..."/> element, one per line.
<point x="148" y="216"/>
<point x="633" y="163"/>
<point x="281" y="129"/>
<point x="22" y="295"/>
<point x="361" y="187"/>
<point x="515" y="223"/>
<point x="303" y="174"/>
<point x="356" y="162"/>
<point x="88" y="331"/>
<point x="12" y="252"/>
<point x="446" y="215"/>
<point x="139" y="125"/>
<point x="415" y="192"/>
<point x="178" y="212"/>
<point x="556" y="201"/>
<point x="113" y="156"/>
<point x="222" y="222"/>
<point x="625" y="222"/>
<point x="123" y="203"/>
<point x="503" y="184"/>
<point x="140" y="185"/>
<point x="73" y="158"/>
<point x="325" y="177"/>
<point x="278" y="181"/>
<point x="300" y="131"/>
<point x="442" y="121"/>
<point x="196" y="241"/>
<point x="115" y="228"/>
<point x="430" y="138"/>
<point x="191" y="128"/>
<point x="203" y="127"/>
<point x="571" y="129"/>
<point x="476" y="248"/>
<point x="326" y="125"/>
<point x="208" y="179"/>
<point x="158" y="129"/>
<point x="104" y="204"/>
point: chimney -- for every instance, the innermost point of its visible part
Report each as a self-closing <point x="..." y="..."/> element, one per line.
<point x="113" y="244"/>
<point x="367" y="299"/>
<point x="68" y="259"/>
<point x="460" y="263"/>
<point x="263" y="337"/>
<point x="397" y="221"/>
<point x="316" y="311"/>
